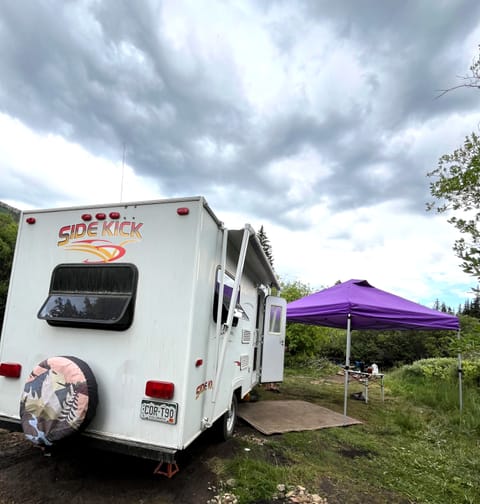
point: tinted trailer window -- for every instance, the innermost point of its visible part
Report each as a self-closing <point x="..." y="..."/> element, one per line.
<point x="91" y="295"/>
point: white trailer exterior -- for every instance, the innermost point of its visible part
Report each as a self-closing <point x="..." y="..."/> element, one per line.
<point x="167" y="360"/>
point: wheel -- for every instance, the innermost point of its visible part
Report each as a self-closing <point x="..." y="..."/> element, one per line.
<point x="229" y="420"/>
<point x="59" y="399"/>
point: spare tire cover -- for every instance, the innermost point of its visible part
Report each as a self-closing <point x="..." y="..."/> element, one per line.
<point x="59" y="399"/>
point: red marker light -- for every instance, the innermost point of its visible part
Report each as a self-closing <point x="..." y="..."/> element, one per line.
<point x="86" y="217"/>
<point x="198" y="362"/>
<point x="10" y="369"/>
<point x="159" y="389"/>
<point x="183" y="211"/>
<point x="30" y="220"/>
<point x="114" y="215"/>
<point x="101" y="216"/>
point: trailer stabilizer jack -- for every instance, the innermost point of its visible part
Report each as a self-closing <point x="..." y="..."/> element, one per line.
<point x="171" y="469"/>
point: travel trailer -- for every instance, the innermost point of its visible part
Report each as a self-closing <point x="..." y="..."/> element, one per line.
<point x="137" y="325"/>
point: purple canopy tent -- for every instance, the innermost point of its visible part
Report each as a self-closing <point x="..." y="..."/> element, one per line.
<point x="358" y="305"/>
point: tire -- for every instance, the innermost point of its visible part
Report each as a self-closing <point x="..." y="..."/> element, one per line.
<point x="59" y="399"/>
<point x="229" y="420"/>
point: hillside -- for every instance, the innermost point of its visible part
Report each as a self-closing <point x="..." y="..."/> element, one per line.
<point x="14" y="212"/>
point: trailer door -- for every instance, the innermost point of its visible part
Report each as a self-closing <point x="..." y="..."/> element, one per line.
<point x="273" y="339"/>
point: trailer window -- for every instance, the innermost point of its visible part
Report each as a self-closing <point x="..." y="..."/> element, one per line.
<point x="227" y="296"/>
<point x="276" y="314"/>
<point x="91" y="295"/>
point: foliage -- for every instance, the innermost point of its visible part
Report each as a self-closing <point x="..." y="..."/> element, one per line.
<point x="455" y="189"/>
<point x="8" y="236"/>
<point x="469" y="342"/>
<point x="292" y="291"/>
<point x="265" y="243"/>
<point x="443" y="368"/>
<point x="394" y="348"/>
<point x="471" y="307"/>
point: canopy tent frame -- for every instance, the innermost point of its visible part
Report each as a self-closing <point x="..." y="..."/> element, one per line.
<point x="356" y="304"/>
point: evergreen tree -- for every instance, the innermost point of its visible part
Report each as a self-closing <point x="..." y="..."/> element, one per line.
<point x="265" y="243"/>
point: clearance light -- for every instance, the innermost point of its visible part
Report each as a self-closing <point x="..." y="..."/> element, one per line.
<point x="86" y="217"/>
<point x="159" y="389"/>
<point x="114" y="215"/>
<point x="183" y="211"/>
<point x="198" y="362"/>
<point x="31" y="220"/>
<point x="101" y="216"/>
<point x="10" y="369"/>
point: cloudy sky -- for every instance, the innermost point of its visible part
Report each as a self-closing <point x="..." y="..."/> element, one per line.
<point x="317" y="119"/>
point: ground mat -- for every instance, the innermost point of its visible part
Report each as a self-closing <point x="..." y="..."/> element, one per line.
<point x="276" y="417"/>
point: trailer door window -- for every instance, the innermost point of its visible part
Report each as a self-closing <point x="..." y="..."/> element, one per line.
<point x="276" y="314"/>
<point x="91" y="295"/>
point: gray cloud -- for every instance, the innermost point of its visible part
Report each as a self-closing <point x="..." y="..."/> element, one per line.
<point x="107" y="75"/>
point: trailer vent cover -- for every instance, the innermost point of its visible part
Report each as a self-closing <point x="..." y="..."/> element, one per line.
<point x="59" y="399"/>
<point x="246" y="336"/>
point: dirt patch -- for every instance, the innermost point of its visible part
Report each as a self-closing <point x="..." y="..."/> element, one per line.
<point x="78" y="475"/>
<point x="339" y="493"/>
<point x="355" y="453"/>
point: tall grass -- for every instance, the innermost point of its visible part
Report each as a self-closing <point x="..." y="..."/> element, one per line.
<point x="433" y="383"/>
<point x="415" y="447"/>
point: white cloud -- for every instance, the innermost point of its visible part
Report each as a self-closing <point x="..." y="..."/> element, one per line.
<point x="51" y="163"/>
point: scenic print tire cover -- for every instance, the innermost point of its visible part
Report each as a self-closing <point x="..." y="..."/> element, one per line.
<point x="59" y="398"/>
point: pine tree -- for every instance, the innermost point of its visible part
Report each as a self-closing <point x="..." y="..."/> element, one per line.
<point x="265" y="243"/>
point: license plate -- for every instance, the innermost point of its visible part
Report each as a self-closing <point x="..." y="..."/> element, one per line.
<point x="159" y="411"/>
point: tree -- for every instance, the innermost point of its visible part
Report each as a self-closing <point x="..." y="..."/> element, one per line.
<point x="265" y="243"/>
<point x="304" y="340"/>
<point x="8" y="236"/>
<point x="469" y="343"/>
<point x="456" y="188"/>
<point x="471" y="80"/>
<point x="300" y="338"/>
<point x="457" y="191"/>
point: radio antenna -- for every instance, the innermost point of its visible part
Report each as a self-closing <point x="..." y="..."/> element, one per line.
<point x="123" y="170"/>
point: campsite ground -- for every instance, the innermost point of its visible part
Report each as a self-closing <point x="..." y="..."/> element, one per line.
<point x="404" y="452"/>
<point x="80" y="475"/>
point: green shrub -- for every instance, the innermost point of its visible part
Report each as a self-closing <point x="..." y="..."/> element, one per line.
<point x="442" y="368"/>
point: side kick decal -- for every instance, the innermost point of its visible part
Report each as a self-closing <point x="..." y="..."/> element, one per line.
<point x="105" y="241"/>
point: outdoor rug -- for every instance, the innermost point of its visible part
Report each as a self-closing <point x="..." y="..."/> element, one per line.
<point x="276" y="417"/>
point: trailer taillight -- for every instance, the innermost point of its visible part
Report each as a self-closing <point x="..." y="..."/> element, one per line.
<point x="31" y="220"/>
<point x="10" y="369"/>
<point x="114" y="215"/>
<point x="183" y="211"/>
<point x="101" y="216"/>
<point x="159" y="389"/>
<point x="87" y="217"/>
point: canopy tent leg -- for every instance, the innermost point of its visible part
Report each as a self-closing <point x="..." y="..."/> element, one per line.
<point x="460" y="377"/>
<point x="347" y="365"/>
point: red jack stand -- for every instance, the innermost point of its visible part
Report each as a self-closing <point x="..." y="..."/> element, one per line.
<point x="172" y="469"/>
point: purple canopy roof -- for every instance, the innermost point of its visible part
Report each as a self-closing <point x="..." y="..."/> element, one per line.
<point x="370" y="308"/>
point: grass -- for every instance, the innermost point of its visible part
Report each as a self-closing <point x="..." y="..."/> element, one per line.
<point x="414" y="447"/>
